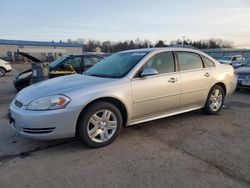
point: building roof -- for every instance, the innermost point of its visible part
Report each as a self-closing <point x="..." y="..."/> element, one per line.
<point x="37" y="43"/>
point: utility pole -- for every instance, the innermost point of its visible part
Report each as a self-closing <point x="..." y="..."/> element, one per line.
<point x="183" y="39"/>
<point x="82" y="45"/>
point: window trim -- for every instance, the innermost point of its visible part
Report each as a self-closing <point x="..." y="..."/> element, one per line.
<point x="136" y="75"/>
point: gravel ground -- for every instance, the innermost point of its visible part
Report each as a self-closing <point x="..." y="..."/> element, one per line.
<point x="187" y="150"/>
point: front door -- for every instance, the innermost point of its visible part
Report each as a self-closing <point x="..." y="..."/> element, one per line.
<point x="72" y="65"/>
<point x="158" y="94"/>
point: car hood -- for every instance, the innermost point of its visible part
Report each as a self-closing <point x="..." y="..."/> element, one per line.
<point x="3" y="62"/>
<point x="243" y="70"/>
<point x="59" y="85"/>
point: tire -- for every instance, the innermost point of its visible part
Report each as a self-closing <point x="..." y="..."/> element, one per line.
<point x="210" y="108"/>
<point x="2" y="72"/>
<point x="99" y="125"/>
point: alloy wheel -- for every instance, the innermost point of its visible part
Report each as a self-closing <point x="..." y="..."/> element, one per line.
<point x="2" y="72"/>
<point x="216" y="100"/>
<point x="101" y="126"/>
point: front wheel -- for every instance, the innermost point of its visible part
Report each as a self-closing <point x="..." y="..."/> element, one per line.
<point x="100" y="124"/>
<point x="2" y="71"/>
<point x="215" y="100"/>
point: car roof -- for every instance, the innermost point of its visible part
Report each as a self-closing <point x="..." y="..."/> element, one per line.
<point x="147" y="50"/>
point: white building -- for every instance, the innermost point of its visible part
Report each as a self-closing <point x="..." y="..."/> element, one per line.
<point x="38" y="49"/>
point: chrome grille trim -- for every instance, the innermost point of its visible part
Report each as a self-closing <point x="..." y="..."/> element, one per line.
<point x="38" y="130"/>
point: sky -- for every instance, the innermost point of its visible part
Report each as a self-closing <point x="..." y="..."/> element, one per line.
<point x="116" y="20"/>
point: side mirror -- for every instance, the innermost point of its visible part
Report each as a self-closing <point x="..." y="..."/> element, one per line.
<point x="149" y="72"/>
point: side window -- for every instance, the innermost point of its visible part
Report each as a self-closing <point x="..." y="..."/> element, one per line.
<point x="239" y="58"/>
<point x="163" y="63"/>
<point x="189" y="61"/>
<point x="90" y="61"/>
<point x="207" y="62"/>
<point x="74" y="61"/>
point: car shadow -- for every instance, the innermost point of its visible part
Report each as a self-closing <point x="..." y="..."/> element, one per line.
<point x="133" y="132"/>
<point x="243" y="90"/>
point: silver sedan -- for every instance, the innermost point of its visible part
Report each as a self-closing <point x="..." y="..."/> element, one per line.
<point x="126" y="88"/>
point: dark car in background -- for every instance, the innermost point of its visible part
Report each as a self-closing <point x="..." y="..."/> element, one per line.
<point x="66" y="65"/>
<point x="244" y="75"/>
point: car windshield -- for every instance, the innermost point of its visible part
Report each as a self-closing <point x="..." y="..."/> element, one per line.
<point x="117" y="65"/>
<point x="58" y="61"/>
<point x="226" y="58"/>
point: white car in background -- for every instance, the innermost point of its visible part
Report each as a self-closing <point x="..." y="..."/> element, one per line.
<point x="231" y="60"/>
<point x="4" y="67"/>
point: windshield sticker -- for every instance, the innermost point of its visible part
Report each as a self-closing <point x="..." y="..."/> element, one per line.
<point x="139" y="54"/>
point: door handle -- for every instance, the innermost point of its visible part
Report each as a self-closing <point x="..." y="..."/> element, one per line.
<point x="173" y="80"/>
<point x="207" y="74"/>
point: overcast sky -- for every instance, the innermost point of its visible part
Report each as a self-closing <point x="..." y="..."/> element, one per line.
<point x="118" y="20"/>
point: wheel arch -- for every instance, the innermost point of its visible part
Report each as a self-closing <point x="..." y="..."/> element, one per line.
<point x="3" y="68"/>
<point x="116" y="102"/>
<point x="221" y="84"/>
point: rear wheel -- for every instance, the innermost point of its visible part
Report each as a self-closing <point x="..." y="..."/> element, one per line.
<point x="100" y="124"/>
<point x="2" y="71"/>
<point x="215" y="100"/>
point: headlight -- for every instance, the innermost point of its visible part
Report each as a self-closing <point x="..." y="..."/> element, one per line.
<point x="49" y="103"/>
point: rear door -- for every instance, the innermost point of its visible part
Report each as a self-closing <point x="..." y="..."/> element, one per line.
<point x="196" y="79"/>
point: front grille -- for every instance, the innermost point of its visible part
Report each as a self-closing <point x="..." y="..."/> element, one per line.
<point x="38" y="130"/>
<point x="18" y="103"/>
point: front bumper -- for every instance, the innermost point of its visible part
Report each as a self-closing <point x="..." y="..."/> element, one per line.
<point x="239" y="84"/>
<point x="8" y="68"/>
<point x="44" y="125"/>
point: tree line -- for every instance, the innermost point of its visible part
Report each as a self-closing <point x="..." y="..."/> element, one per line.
<point x="112" y="47"/>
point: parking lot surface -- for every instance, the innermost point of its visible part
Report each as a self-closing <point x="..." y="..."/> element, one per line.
<point x="187" y="150"/>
